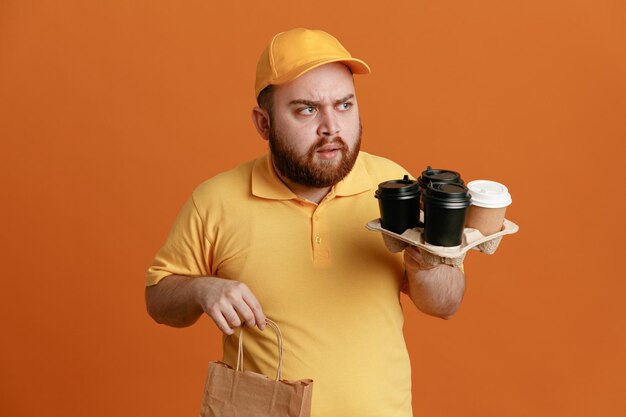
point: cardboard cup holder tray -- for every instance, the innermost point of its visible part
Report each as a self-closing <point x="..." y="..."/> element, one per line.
<point x="472" y="239"/>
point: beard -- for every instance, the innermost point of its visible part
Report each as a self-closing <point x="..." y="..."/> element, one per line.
<point x="306" y="169"/>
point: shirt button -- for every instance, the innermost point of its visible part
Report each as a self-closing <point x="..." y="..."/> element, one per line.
<point x="318" y="239"/>
<point x="316" y="217"/>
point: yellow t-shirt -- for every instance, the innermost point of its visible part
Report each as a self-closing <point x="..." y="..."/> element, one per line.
<point x="330" y="285"/>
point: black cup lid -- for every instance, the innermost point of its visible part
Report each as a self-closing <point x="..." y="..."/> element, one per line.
<point x="448" y="192"/>
<point x="397" y="188"/>
<point x="439" y="175"/>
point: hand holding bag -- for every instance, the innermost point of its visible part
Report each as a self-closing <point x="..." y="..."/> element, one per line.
<point x="232" y="392"/>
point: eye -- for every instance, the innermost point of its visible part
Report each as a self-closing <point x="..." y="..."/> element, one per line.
<point x="345" y="106"/>
<point x="307" y="110"/>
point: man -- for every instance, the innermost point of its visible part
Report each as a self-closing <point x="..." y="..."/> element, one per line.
<point x="283" y="237"/>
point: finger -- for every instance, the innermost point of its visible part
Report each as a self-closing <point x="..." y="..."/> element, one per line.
<point x="413" y="252"/>
<point x="220" y="322"/>
<point x="412" y="257"/>
<point x="255" y="308"/>
<point x="245" y="312"/>
<point x="231" y="316"/>
<point x="417" y="259"/>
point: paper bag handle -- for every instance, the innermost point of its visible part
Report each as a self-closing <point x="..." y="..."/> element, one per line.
<point x="279" y="338"/>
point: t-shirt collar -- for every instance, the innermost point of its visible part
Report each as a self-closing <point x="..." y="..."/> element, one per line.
<point x="267" y="184"/>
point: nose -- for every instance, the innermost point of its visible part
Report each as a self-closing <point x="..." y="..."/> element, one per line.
<point x="329" y="125"/>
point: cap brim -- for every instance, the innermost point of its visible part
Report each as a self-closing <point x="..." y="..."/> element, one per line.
<point x="356" y="66"/>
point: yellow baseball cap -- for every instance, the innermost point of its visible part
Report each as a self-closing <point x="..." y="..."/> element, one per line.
<point x="290" y="54"/>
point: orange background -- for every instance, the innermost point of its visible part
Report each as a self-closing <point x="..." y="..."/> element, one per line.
<point x="111" y="112"/>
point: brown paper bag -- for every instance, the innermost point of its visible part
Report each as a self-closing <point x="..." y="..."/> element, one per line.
<point x="232" y="392"/>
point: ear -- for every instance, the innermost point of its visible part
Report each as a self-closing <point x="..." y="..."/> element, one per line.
<point x="261" y="120"/>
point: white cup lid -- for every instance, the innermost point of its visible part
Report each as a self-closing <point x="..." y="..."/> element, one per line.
<point x="489" y="194"/>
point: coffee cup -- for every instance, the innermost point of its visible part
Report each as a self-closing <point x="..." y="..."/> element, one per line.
<point x="437" y="175"/>
<point x="489" y="202"/>
<point x="398" y="201"/>
<point x="445" y="208"/>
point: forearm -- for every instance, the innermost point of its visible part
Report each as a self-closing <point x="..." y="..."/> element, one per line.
<point x="173" y="301"/>
<point x="438" y="290"/>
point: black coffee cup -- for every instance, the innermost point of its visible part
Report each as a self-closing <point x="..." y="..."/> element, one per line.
<point x="445" y="207"/>
<point x="398" y="201"/>
<point x="437" y="175"/>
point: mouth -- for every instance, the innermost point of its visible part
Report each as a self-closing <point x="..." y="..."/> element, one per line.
<point x="329" y="151"/>
<point x="330" y="147"/>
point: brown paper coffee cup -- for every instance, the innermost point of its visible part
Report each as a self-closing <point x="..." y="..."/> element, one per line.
<point x="487" y="220"/>
<point x="489" y="202"/>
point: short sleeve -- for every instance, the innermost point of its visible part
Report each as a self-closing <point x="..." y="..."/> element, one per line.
<point x="186" y="250"/>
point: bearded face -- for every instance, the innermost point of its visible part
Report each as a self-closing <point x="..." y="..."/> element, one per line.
<point x="312" y="169"/>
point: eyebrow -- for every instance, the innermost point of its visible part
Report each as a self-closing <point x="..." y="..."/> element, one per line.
<point x="316" y="103"/>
